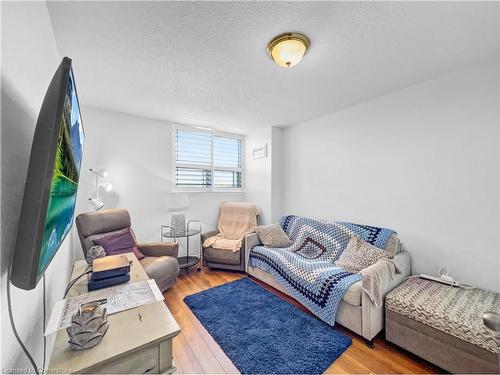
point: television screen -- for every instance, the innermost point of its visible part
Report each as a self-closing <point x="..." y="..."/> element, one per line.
<point x="52" y="180"/>
<point x="65" y="176"/>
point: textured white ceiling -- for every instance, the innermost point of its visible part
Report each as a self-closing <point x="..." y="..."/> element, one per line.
<point x="205" y="63"/>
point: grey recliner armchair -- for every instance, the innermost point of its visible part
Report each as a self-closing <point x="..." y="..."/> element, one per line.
<point x="223" y="259"/>
<point x="160" y="262"/>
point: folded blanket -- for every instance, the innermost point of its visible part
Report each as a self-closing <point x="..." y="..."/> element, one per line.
<point x="235" y="221"/>
<point x="376" y="278"/>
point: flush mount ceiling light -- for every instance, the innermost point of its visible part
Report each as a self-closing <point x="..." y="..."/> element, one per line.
<point x="288" y="49"/>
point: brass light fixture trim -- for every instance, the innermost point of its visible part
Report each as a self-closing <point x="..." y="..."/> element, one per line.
<point x="287" y="49"/>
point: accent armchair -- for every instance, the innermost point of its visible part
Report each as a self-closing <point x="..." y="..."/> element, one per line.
<point x="228" y="259"/>
<point x="160" y="262"/>
<point x="223" y="259"/>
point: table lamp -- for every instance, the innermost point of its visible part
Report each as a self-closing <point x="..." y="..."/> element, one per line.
<point x="178" y="204"/>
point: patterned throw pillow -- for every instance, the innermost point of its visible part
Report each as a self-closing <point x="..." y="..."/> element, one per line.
<point x="273" y="235"/>
<point x="360" y="254"/>
<point x="119" y="242"/>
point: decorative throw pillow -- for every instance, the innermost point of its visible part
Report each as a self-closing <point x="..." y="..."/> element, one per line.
<point x="360" y="254"/>
<point x="273" y="235"/>
<point x="119" y="243"/>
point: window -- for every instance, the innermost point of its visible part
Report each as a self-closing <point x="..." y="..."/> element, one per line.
<point x="207" y="161"/>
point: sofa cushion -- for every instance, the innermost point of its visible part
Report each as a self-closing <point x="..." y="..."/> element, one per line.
<point x="221" y="256"/>
<point x="160" y="268"/>
<point x="273" y="235"/>
<point x="353" y="295"/>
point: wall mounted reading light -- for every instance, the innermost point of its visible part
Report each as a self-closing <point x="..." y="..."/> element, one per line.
<point x="97" y="203"/>
<point x="101" y="172"/>
<point x="288" y="49"/>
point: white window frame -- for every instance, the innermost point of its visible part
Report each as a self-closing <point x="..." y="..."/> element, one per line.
<point x="212" y="167"/>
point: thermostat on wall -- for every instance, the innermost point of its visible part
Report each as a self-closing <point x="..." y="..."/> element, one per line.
<point x="259" y="151"/>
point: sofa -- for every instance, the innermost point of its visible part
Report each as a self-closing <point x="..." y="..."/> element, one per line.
<point x="355" y="311"/>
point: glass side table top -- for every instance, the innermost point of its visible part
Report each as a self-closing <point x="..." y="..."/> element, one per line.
<point x="169" y="233"/>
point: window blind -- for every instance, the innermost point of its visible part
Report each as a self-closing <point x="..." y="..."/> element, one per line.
<point x="227" y="152"/>
<point x="206" y="161"/>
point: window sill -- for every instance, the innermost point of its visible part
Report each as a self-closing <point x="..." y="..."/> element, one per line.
<point x="198" y="192"/>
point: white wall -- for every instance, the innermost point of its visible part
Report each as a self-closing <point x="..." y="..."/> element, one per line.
<point x="264" y="176"/>
<point x="276" y="174"/>
<point x="423" y="161"/>
<point x="29" y="60"/>
<point x="137" y="153"/>
<point x="258" y="173"/>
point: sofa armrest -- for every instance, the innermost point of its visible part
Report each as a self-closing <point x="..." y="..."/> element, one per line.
<point x="251" y="240"/>
<point x="403" y="263"/>
<point x="159" y="249"/>
<point x="372" y="317"/>
<point x="206" y="235"/>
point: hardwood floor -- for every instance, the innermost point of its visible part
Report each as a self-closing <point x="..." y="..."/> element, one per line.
<point x="196" y="352"/>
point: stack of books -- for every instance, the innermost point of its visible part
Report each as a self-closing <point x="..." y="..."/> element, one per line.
<point x="108" y="271"/>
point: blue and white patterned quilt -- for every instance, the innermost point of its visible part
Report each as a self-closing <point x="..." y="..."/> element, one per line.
<point x="306" y="268"/>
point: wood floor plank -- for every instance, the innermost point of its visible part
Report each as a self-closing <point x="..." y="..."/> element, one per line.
<point x="185" y="356"/>
<point x="178" y="364"/>
<point x="196" y="352"/>
<point x="202" y="351"/>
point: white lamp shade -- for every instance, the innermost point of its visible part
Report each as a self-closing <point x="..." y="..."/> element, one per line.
<point x="178" y="202"/>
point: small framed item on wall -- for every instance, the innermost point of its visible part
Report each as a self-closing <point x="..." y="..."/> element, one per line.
<point x="259" y="152"/>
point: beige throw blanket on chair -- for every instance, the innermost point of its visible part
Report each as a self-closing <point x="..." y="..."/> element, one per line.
<point x="235" y="221"/>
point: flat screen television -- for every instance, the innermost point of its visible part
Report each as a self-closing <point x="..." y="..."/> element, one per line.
<point x="52" y="180"/>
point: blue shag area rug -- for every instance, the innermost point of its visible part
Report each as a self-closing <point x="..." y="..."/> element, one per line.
<point x="263" y="334"/>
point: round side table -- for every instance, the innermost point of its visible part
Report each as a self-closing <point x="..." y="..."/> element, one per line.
<point x="169" y="232"/>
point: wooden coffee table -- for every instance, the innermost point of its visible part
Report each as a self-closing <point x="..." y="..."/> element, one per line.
<point x="138" y="340"/>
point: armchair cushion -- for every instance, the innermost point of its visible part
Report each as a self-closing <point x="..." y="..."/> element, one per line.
<point x="207" y="235"/>
<point x="213" y="255"/>
<point x="159" y="249"/>
<point x="163" y="269"/>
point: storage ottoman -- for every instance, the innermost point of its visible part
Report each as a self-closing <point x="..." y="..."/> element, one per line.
<point x="444" y="325"/>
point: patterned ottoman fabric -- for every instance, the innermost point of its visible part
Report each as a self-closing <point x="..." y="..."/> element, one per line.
<point x="306" y="268"/>
<point x="455" y="311"/>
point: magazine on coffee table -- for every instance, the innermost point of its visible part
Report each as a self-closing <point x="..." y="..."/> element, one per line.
<point x="114" y="299"/>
